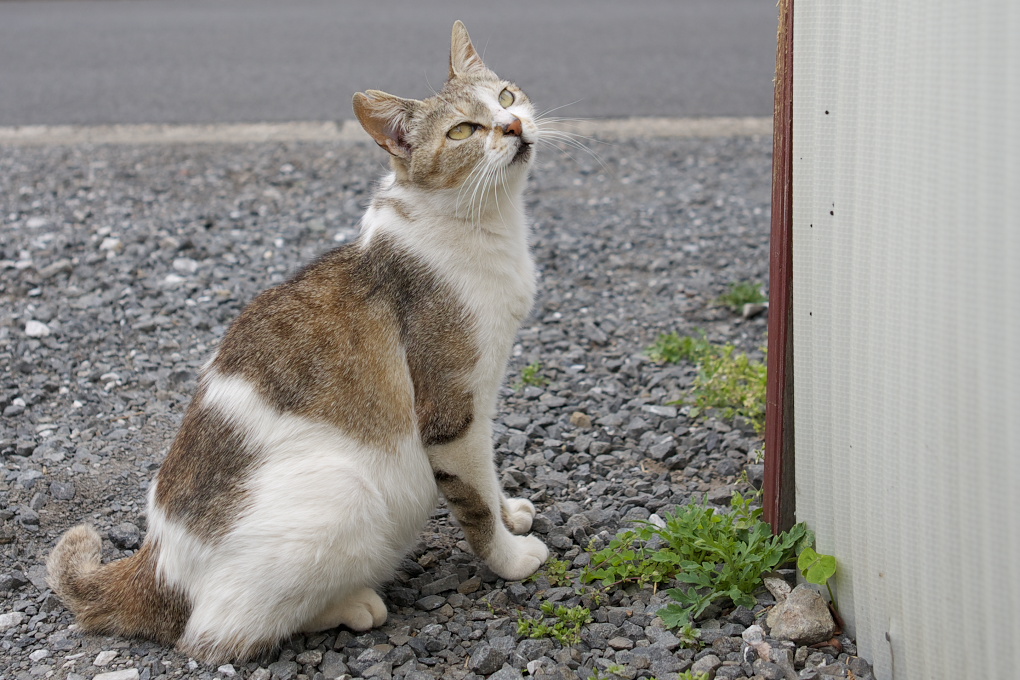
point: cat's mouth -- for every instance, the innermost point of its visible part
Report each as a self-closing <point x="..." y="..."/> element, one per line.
<point x="523" y="154"/>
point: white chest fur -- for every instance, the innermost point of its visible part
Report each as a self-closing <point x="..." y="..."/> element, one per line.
<point x="487" y="263"/>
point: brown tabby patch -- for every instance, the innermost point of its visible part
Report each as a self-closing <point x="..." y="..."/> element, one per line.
<point x="364" y="339"/>
<point x="472" y="513"/>
<point x="201" y="481"/>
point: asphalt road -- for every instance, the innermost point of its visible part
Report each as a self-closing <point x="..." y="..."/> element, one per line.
<point x="214" y="61"/>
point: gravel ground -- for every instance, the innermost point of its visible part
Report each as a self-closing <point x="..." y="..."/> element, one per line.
<point x="121" y="267"/>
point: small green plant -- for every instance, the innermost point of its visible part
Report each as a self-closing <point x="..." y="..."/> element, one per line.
<point x="556" y="571"/>
<point x="611" y="670"/>
<point x="560" y="623"/>
<point x="691" y="675"/>
<point x="672" y="348"/>
<point x="733" y="383"/>
<point x="712" y="555"/>
<point x="727" y="380"/>
<point x="741" y="294"/>
<point x="532" y="375"/>
<point x="818" y="569"/>
<point x="689" y="636"/>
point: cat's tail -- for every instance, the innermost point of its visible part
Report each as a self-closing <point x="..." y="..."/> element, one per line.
<point x="125" y="597"/>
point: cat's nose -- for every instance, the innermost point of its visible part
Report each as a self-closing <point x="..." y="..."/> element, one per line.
<point x="513" y="128"/>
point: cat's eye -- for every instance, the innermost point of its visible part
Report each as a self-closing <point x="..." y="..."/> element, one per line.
<point x="462" y="131"/>
<point x="506" y="98"/>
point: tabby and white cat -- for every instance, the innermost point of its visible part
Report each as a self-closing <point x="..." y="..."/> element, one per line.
<point x="339" y="401"/>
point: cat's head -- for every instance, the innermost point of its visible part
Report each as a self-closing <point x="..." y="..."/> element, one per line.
<point x="478" y="129"/>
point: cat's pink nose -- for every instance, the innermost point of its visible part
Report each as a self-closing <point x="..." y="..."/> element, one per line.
<point x="513" y="128"/>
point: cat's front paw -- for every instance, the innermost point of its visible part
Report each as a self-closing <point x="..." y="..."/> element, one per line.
<point x="520" y="557"/>
<point x="518" y="513"/>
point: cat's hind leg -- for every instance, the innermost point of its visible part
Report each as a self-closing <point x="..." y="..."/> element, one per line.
<point x="361" y="610"/>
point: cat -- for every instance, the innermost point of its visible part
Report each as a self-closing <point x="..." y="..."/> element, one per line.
<point x="341" y="401"/>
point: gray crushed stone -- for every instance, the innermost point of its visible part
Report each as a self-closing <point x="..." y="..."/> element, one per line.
<point x="121" y="267"/>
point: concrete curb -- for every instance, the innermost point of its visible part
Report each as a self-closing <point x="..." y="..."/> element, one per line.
<point x="348" y="131"/>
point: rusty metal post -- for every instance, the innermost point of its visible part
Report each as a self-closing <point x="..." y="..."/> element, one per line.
<point x="779" y="449"/>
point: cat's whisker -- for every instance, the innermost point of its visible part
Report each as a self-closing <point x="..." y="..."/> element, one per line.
<point x="553" y="127"/>
<point x="480" y="189"/>
<point x="468" y="183"/>
<point x="545" y="113"/>
<point x="561" y="150"/>
<point x="552" y="138"/>
<point x="495" y="193"/>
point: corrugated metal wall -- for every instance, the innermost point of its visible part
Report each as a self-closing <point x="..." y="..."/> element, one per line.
<point x="907" y="323"/>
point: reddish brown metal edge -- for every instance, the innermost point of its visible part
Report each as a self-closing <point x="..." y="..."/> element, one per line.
<point x="779" y="508"/>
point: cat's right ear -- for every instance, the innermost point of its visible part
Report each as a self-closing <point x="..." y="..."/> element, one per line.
<point x="386" y="118"/>
<point x="463" y="56"/>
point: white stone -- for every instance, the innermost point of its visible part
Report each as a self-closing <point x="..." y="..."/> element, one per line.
<point x="111" y="244"/>
<point x="105" y="658"/>
<point x="779" y="588"/>
<point x="753" y="309"/>
<point x="185" y="265"/>
<point x="126" y="674"/>
<point x="661" y="411"/>
<point x="36" y="222"/>
<point x="8" y="621"/>
<point x="753" y="635"/>
<point x="36" y="329"/>
<point x="173" y="280"/>
<point x="39" y="654"/>
<point x="802" y="617"/>
<point x="227" y="669"/>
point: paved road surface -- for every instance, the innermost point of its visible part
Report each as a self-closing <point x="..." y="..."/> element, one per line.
<point x="204" y="61"/>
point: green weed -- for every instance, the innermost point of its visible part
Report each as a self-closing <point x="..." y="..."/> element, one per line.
<point x="532" y="375"/>
<point x="818" y="569"/>
<point x="689" y="636"/>
<point x="556" y="571"/>
<point x="691" y="675"/>
<point x="614" y="670"/>
<point x="741" y="294"/>
<point x="672" y="348"/>
<point x="727" y="380"/>
<point x="560" y="623"/>
<point x="713" y="556"/>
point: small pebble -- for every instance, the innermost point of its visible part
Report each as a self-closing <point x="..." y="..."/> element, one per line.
<point x="105" y="658"/>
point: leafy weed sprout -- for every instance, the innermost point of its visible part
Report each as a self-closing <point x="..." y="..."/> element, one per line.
<point x="707" y="555"/>
<point x="560" y="623"/>
<point x="818" y="569"/>
<point x="556" y="571"/>
<point x="742" y="293"/>
<point x="691" y="675"/>
<point x="727" y="380"/>
<point x="532" y="375"/>
<point x="712" y="555"/>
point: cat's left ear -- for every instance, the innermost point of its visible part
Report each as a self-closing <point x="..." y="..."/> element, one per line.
<point x="463" y="56"/>
<point x="386" y="118"/>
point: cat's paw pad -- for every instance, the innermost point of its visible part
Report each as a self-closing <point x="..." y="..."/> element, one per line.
<point x="518" y="513"/>
<point x="520" y="558"/>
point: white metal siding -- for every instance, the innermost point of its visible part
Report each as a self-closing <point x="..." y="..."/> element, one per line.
<point x="907" y="323"/>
